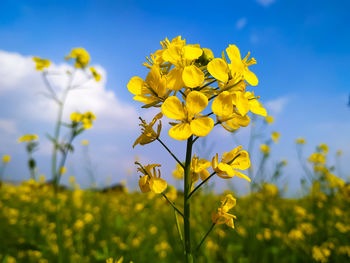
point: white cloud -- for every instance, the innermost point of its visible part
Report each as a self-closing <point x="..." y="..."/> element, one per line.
<point x="8" y="126"/>
<point x="241" y="23"/>
<point x="276" y="106"/>
<point x="266" y="2"/>
<point x="23" y="89"/>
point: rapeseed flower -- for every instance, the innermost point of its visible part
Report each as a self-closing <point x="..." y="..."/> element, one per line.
<point x="269" y="119"/>
<point x="230" y="161"/>
<point x="28" y="138"/>
<point x="192" y="123"/>
<point x="148" y="134"/>
<point x="41" y="63"/>
<point x="6" y="158"/>
<point x="235" y="71"/>
<point x="95" y="74"/>
<point x="300" y="141"/>
<point x="222" y="216"/>
<point x="265" y="149"/>
<point x="81" y="56"/>
<point x="275" y="136"/>
<point x="151" y="181"/>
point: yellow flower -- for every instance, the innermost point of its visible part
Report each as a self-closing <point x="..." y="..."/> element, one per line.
<point x="185" y="73"/>
<point x="269" y="119"/>
<point x="6" y="158"/>
<point x="275" y="136"/>
<point x="320" y="254"/>
<point x="231" y="161"/>
<point x="95" y="74"/>
<point x="86" y="119"/>
<point x="84" y="142"/>
<point x="41" y="63"/>
<point x="222" y="216"/>
<point x="317" y="158"/>
<point x="284" y="162"/>
<point x="224" y="108"/>
<point x="151" y="181"/>
<point x="265" y="149"/>
<point x="81" y="56"/>
<point x="28" y="138"/>
<point x="153" y="89"/>
<point x="199" y="169"/>
<point x="234" y="72"/>
<point x="178" y="173"/>
<point x="300" y="140"/>
<point x="323" y="148"/>
<point x="191" y="121"/>
<point x="63" y="170"/>
<point x="339" y="153"/>
<point x="148" y="134"/>
<point x="110" y="260"/>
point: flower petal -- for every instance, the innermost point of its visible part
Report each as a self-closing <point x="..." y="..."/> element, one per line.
<point x="222" y="105"/>
<point x="250" y="77"/>
<point x="241" y="102"/>
<point x="157" y="185"/>
<point x="195" y="103"/>
<point x="257" y="108"/>
<point x="202" y="126"/>
<point x="144" y="184"/>
<point x="192" y="76"/>
<point x="174" y="79"/>
<point x="181" y="131"/>
<point x="191" y="53"/>
<point x="135" y="85"/>
<point x="173" y="109"/>
<point x="218" y="68"/>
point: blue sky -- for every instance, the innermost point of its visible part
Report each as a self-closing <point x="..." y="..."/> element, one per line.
<point x="301" y="48"/>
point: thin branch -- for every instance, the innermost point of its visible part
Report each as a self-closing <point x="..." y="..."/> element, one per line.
<point x="173" y="205"/>
<point x="203" y="182"/>
<point x="211" y="228"/>
<point x="178" y="161"/>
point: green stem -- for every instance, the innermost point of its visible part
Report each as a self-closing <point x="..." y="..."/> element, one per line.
<point x="176" y="159"/>
<point x="187" y="210"/>
<point x="210" y="176"/>
<point x="173" y="205"/>
<point x="203" y="182"/>
<point x="57" y="132"/>
<point x="206" y="235"/>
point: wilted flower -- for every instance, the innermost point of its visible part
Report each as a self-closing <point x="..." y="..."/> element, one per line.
<point x="222" y="216"/>
<point x="151" y="181"/>
<point x="148" y="134"/>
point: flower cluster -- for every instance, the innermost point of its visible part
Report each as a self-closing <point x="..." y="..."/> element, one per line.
<point x="180" y="82"/>
<point x="85" y="119"/>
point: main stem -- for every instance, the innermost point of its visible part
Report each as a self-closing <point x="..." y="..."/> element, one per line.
<point x="187" y="190"/>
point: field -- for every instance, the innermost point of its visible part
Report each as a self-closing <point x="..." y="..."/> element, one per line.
<point x="87" y="226"/>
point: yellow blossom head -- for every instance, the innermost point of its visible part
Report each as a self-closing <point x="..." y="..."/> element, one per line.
<point x="269" y="119"/>
<point x="151" y="181"/>
<point x="28" y="138"/>
<point x="275" y="136"/>
<point x="6" y="158"/>
<point x="84" y="142"/>
<point x="95" y="74"/>
<point x="222" y="216"/>
<point x="300" y="141"/>
<point x="81" y="56"/>
<point x="41" y="63"/>
<point x="265" y="149"/>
